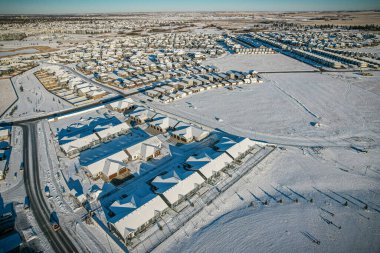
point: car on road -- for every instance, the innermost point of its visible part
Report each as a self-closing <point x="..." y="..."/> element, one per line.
<point x="47" y="191"/>
<point x="54" y="221"/>
<point x="26" y="202"/>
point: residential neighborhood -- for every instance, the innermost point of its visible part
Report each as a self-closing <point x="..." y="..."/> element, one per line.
<point x="199" y="126"/>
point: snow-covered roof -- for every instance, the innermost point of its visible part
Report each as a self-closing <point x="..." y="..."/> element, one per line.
<point x="215" y="165"/>
<point x="124" y="206"/>
<point x="169" y="179"/>
<point x="240" y="147"/>
<point x="198" y="160"/>
<point x="190" y="132"/>
<point x="183" y="187"/>
<point x="224" y="143"/>
<point x="96" y="93"/>
<point x="145" y="148"/>
<point x="79" y="143"/>
<point x="109" y="165"/>
<point x="142" y="113"/>
<point x="121" y="104"/>
<point x="163" y="122"/>
<point x="123" y="127"/>
<point x="140" y="215"/>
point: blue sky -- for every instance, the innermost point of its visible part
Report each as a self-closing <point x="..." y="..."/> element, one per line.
<point x="106" y="6"/>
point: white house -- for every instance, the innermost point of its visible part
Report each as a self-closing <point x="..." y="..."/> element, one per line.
<point x="135" y="214"/>
<point x="121" y="105"/>
<point x="109" y="167"/>
<point x="74" y="147"/>
<point x="215" y="166"/>
<point x="183" y="186"/>
<point x="240" y="148"/>
<point x="140" y="115"/>
<point x="162" y="123"/>
<point x="112" y="132"/>
<point x="186" y="133"/>
<point x="145" y="150"/>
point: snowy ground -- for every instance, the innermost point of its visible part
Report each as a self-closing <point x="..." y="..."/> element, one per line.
<point x="34" y="99"/>
<point x="329" y="176"/>
<point x="7" y="95"/>
<point x="21" y="51"/>
<point x="258" y="62"/>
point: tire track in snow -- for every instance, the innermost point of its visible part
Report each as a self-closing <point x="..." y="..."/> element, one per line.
<point x="274" y="83"/>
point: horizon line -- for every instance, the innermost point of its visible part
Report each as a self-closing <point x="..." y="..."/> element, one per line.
<point x="182" y="11"/>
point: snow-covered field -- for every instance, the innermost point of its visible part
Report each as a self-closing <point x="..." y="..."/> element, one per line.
<point x="259" y="62"/>
<point x="34" y="99"/>
<point x="7" y="95"/>
<point x="329" y="176"/>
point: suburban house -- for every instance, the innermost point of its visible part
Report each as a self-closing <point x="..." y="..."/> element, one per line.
<point x="134" y="214"/>
<point x="175" y="186"/>
<point x="145" y="150"/>
<point x="214" y="166"/>
<point x="112" y="132"/>
<point x="162" y="123"/>
<point x="186" y="133"/>
<point x="74" y="147"/>
<point x="240" y="148"/>
<point x="121" y="105"/>
<point x="109" y="168"/>
<point x="96" y="94"/>
<point x="141" y="115"/>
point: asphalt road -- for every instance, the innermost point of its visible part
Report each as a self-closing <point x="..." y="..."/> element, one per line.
<point x="58" y="240"/>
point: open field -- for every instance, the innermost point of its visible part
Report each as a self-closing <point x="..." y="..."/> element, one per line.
<point x="7" y="95"/>
<point x="26" y="50"/>
<point x="33" y="97"/>
<point x="258" y="62"/>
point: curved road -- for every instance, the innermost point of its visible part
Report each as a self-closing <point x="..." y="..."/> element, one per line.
<point x="58" y="240"/>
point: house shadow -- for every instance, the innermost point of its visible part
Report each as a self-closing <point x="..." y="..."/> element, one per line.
<point x="54" y="217"/>
<point x="75" y="185"/>
<point x="80" y="130"/>
<point x="8" y="214"/>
